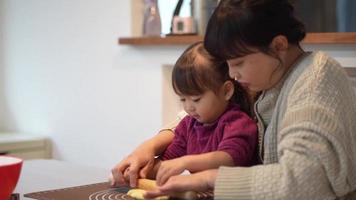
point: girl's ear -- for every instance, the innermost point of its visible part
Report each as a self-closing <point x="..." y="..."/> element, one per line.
<point x="279" y="43"/>
<point x="229" y="90"/>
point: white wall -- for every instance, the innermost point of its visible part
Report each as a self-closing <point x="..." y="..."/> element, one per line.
<point x="63" y="75"/>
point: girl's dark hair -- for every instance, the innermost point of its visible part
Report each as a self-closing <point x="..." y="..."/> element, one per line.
<point x="236" y="26"/>
<point x="196" y="71"/>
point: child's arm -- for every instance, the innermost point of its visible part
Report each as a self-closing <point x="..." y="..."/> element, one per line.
<point x="211" y="160"/>
<point x="192" y="163"/>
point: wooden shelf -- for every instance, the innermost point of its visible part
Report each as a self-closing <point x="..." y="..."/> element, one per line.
<point x="331" y="38"/>
<point x="167" y="40"/>
<point x="311" y="38"/>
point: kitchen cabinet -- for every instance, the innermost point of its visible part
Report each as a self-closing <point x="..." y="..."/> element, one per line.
<point x="25" y="146"/>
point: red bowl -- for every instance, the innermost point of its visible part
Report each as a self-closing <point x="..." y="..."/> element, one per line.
<point x="10" y="168"/>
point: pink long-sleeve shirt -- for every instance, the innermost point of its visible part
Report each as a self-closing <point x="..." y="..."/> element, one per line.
<point x="234" y="133"/>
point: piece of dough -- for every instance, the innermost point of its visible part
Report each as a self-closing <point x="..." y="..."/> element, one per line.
<point x="147" y="184"/>
<point x="138" y="194"/>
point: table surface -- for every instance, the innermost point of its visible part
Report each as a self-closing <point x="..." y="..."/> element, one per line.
<point x="40" y="175"/>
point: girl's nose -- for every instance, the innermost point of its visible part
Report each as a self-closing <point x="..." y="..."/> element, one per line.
<point x="236" y="76"/>
<point x="189" y="107"/>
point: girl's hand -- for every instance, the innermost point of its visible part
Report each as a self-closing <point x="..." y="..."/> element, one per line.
<point x="141" y="162"/>
<point x="201" y="181"/>
<point x="134" y="166"/>
<point x="169" y="168"/>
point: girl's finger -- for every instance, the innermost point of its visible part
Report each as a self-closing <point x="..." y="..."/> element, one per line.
<point x="133" y="174"/>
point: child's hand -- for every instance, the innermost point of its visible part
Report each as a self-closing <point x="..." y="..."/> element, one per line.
<point x="135" y="166"/>
<point x="201" y="181"/>
<point x="120" y="179"/>
<point x="140" y="163"/>
<point x="169" y="168"/>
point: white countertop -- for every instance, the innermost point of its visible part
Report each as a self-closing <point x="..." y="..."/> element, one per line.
<point x="39" y="175"/>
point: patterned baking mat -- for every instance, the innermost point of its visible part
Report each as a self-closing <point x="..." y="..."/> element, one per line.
<point x="97" y="191"/>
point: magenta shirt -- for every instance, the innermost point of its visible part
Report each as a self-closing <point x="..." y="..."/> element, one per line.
<point x="234" y="133"/>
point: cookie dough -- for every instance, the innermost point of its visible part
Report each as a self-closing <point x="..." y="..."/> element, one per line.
<point x="138" y="194"/>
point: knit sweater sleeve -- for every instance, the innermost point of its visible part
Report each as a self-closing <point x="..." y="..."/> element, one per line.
<point x="316" y="143"/>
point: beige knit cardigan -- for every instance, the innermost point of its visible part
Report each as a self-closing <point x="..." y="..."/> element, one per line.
<point x="307" y="126"/>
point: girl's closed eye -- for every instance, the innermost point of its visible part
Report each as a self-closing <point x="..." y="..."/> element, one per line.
<point x="196" y="99"/>
<point x="182" y="99"/>
<point x="237" y="64"/>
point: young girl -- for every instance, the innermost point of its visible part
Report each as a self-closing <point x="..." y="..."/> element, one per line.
<point x="216" y="132"/>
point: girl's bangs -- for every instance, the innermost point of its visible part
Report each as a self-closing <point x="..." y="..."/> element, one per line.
<point x="225" y="40"/>
<point x="187" y="82"/>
